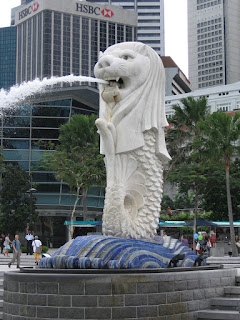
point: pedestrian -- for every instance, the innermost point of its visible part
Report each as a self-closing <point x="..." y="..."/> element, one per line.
<point x="29" y="237"/>
<point x="7" y="245"/>
<point x="16" y="251"/>
<point x="2" y="239"/>
<point x="37" y="249"/>
<point x="185" y="240"/>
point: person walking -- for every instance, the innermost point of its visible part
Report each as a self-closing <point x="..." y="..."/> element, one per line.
<point x="37" y="249"/>
<point x="2" y="239"/>
<point x="16" y="251"/>
<point x="29" y="237"/>
<point x="7" y="245"/>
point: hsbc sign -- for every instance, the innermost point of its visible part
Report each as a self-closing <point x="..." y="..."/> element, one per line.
<point x="94" y="10"/>
<point x="24" y="13"/>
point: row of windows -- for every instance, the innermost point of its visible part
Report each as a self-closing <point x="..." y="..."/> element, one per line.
<point x="208" y="4"/>
<point x="213" y="58"/>
<point x="210" y="52"/>
<point x="210" y="83"/>
<point x="209" y="34"/>
<point x="208" y="71"/>
<point x="210" y="40"/>
<point x="210" y="46"/>
<point x="211" y="77"/>
<point x="209" y="22"/>
<point x="60" y="51"/>
<point x="205" y="29"/>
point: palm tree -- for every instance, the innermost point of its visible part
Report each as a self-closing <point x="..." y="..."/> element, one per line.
<point x="184" y="127"/>
<point x="220" y="142"/>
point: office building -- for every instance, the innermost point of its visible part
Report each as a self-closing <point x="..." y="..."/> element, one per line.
<point x="150" y="20"/>
<point x="214" y="43"/>
<point x="7" y="57"/>
<point x="58" y="37"/>
<point x="225" y="98"/>
<point x="175" y="80"/>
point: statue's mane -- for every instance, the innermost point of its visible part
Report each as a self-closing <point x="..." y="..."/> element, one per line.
<point x="145" y="106"/>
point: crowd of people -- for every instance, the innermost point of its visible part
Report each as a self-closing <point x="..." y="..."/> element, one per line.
<point x="33" y="246"/>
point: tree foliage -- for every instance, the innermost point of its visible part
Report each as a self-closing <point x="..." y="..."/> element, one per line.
<point x="183" y="169"/>
<point x="15" y="203"/>
<point x="219" y="143"/>
<point x="76" y="159"/>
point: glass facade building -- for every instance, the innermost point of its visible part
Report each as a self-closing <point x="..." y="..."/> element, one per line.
<point x="25" y="132"/>
<point x="57" y="38"/>
<point x="7" y="57"/>
<point x="213" y="42"/>
<point x="150" y="20"/>
<point x="57" y="42"/>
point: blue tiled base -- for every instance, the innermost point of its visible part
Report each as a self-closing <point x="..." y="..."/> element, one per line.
<point x="104" y="252"/>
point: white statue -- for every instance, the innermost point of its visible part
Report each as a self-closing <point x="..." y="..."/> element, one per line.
<point x="131" y="126"/>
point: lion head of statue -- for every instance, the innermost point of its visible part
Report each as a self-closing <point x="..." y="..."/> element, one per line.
<point x="134" y="98"/>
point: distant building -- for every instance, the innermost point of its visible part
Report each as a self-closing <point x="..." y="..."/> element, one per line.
<point x="176" y="81"/>
<point x="225" y="98"/>
<point x="150" y="20"/>
<point x="58" y="37"/>
<point x="214" y="42"/>
<point x="7" y="57"/>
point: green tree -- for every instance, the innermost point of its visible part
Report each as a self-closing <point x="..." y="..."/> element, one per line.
<point x="76" y="160"/>
<point x="183" y="168"/>
<point x="214" y="192"/>
<point x="15" y="203"/>
<point x="219" y="143"/>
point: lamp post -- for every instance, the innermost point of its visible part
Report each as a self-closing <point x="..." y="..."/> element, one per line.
<point x="30" y="192"/>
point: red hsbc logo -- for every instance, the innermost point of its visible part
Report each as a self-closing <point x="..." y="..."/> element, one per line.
<point x="24" y="13"/>
<point x="107" y="13"/>
<point x="35" y="6"/>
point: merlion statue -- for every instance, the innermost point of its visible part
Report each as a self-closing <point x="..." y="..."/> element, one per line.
<point x="131" y="125"/>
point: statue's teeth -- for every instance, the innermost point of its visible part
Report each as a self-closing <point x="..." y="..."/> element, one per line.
<point x="117" y="79"/>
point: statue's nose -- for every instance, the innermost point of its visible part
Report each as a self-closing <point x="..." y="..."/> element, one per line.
<point x="105" y="61"/>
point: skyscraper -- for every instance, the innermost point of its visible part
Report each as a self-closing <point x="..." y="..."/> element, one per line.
<point x="150" y="20"/>
<point x="57" y="38"/>
<point x="7" y="57"/>
<point x="214" y="43"/>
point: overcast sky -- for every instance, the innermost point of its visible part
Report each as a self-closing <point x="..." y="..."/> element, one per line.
<point x="175" y="28"/>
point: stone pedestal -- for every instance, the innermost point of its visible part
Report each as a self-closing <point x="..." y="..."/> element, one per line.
<point x="67" y="294"/>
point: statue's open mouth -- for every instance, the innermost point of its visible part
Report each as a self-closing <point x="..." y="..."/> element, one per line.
<point x="116" y="82"/>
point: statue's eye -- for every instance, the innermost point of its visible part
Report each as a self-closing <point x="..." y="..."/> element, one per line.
<point x="125" y="57"/>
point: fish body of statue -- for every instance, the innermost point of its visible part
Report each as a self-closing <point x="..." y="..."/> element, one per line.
<point x="131" y="125"/>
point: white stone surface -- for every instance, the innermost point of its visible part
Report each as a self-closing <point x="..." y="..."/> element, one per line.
<point x="131" y="126"/>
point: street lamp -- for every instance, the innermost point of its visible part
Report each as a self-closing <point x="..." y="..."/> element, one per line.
<point x="30" y="192"/>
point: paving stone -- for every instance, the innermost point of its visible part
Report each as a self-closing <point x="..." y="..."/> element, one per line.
<point x="192" y="284"/>
<point x="28" y="287"/>
<point x="173" y="297"/>
<point x="123" y="313"/>
<point x="37" y="299"/>
<point x="84" y="301"/>
<point x="98" y="313"/>
<point x="101" y="288"/>
<point x="165" y="309"/>
<point x="157" y="298"/>
<point x="71" y="313"/>
<point x="47" y="288"/>
<point x="71" y="288"/>
<point x="59" y="300"/>
<point x="147" y="311"/>
<point x="165" y="286"/>
<point x="47" y="312"/>
<point x="147" y="287"/>
<point x="186" y="295"/>
<point x="111" y="301"/>
<point x="136" y="299"/>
